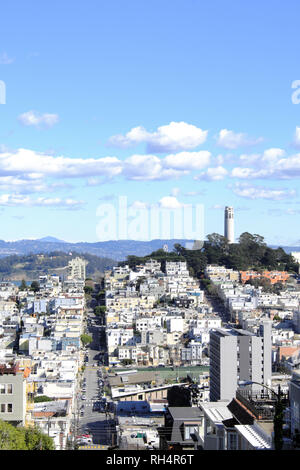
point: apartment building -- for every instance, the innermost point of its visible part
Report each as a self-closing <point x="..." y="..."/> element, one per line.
<point x="77" y="269"/>
<point x="13" y="397"/>
<point x="238" y="355"/>
<point x="273" y="276"/>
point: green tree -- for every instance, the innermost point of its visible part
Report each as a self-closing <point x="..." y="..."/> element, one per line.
<point x="254" y="247"/>
<point x="217" y="241"/>
<point x="35" y="286"/>
<point x="12" y="438"/>
<point x="23" y="285"/>
<point x="88" y="289"/>
<point x="36" y="440"/>
<point x="42" y="398"/>
<point x="100" y="310"/>
<point x="86" y="339"/>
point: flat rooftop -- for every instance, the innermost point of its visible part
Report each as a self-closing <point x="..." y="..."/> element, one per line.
<point x="184" y="412"/>
<point x="232" y="332"/>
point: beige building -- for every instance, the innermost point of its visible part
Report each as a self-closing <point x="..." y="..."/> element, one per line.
<point x="77" y="268"/>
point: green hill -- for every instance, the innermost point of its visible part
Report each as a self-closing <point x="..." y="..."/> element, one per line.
<point x="251" y="252"/>
<point x="30" y="267"/>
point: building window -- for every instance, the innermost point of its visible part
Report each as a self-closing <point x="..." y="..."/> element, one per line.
<point x="188" y="430"/>
<point x="2" y="408"/>
<point x="9" y="407"/>
<point x="2" y="389"/>
<point x="232" y="441"/>
<point x="9" y="388"/>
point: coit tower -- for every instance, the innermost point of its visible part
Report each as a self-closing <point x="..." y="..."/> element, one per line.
<point x="229" y="224"/>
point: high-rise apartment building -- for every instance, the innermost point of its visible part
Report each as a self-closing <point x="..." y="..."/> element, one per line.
<point x="239" y="355"/>
<point x="229" y="224"/>
<point x="77" y="269"/>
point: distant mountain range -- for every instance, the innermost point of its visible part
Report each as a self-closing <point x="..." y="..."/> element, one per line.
<point x="50" y="239"/>
<point x="116" y="249"/>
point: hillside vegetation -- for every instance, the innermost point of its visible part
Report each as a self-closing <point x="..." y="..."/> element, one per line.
<point x="29" y="267"/>
<point x="251" y="252"/>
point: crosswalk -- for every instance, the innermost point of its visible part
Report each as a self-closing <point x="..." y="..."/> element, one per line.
<point x="93" y="447"/>
<point x="90" y="402"/>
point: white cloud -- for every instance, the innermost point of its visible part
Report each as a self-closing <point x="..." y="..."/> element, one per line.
<point x="149" y="167"/>
<point x="135" y="136"/>
<point x="144" y="167"/>
<point x="188" y="160"/>
<point x="170" y="202"/>
<point x="259" y="192"/>
<point x="28" y="162"/>
<point x="21" y="185"/>
<point x="25" y="164"/>
<point x="271" y="164"/>
<point x="33" y="118"/>
<point x="213" y="174"/>
<point x="5" y="59"/>
<point x="172" y="137"/>
<point x="175" y="191"/>
<point x="22" y="200"/>
<point x="58" y="202"/>
<point x="250" y="173"/>
<point x="232" y="140"/>
<point x="194" y="193"/>
<point x="92" y="181"/>
<point x="272" y="155"/>
<point x="139" y="205"/>
<point x="296" y="141"/>
<point x="29" y="184"/>
<point x="261" y="160"/>
<point x="166" y="202"/>
<point x="219" y="160"/>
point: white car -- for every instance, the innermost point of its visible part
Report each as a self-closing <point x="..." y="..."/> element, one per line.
<point x="84" y="440"/>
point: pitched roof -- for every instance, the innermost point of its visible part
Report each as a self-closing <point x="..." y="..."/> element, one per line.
<point x="240" y="412"/>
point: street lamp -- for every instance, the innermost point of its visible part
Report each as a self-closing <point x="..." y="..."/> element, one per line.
<point x="278" y="416"/>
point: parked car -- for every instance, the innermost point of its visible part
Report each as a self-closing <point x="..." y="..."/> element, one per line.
<point x="84" y="440"/>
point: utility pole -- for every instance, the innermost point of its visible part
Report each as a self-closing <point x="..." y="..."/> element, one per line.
<point x="279" y="410"/>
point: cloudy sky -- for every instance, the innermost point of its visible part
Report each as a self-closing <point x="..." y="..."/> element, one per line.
<point x="172" y="104"/>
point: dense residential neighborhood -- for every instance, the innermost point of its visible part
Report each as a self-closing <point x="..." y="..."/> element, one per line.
<point x="149" y="243"/>
<point x="150" y="357"/>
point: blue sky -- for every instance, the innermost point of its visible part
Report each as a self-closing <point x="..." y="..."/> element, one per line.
<point x="170" y="103"/>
